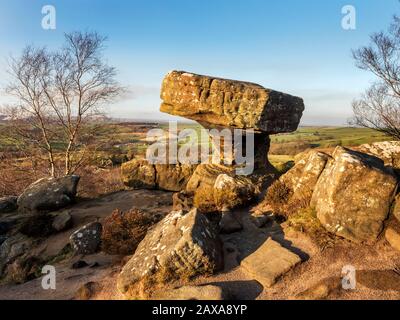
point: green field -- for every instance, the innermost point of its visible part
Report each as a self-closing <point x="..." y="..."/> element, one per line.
<point x="118" y="139"/>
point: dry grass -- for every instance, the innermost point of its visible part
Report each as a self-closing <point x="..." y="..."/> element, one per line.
<point x="122" y="232"/>
<point x="306" y="221"/>
<point x="96" y="182"/>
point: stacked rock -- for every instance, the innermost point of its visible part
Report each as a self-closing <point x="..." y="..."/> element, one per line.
<point x="217" y="103"/>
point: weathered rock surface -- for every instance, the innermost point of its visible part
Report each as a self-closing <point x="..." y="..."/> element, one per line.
<point x="269" y="262"/>
<point x="141" y="174"/>
<point x="180" y="244"/>
<point x="12" y="248"/>
<point x="393" y="237"/>
<point x="62" y="221"/>
<point x="353" y="195"/>
<point x="8" y="204"/>
<point x="206" y="292"/>
<point x="86" y="240"/>
<point x="231" y="192"/>
<point x="301" y="179"/>
<point x="49" y="194"/>
<point x="322" y="290"/>
<point x="396" y="208"/>
<point x="388" y="151"/>
<point x="217" y="188"/>
<point x="229" y="103"/>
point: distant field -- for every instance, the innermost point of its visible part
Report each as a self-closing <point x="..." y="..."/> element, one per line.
<point x="119" y="139"/>
<point x="325" y="137"/>
<point x="285" y="146"/>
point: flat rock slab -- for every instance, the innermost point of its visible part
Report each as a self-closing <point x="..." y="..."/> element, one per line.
<point x="206" y="292"/>
<point x="230" y="103"/>
<point x="269" y="262"/>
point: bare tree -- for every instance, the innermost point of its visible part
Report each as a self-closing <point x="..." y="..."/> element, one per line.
<point x="59" y="95"/>
<point x="379" y="107"/>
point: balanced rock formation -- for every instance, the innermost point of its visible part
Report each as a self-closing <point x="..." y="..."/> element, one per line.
<point x="228" y="104"/>
<point x="142" y="174"/>
<point x="353" y="195"/>
<point x="49" y="194"/>
<point x="181" y="244"/>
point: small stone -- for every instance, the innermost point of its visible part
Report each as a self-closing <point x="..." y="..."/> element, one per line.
<point x="62" y="221"/>
<point x="84" y="241"/>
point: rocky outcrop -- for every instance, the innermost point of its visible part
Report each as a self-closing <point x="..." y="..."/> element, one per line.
<point x="12" y="248"/>
<point x="8" y="204"/>
<point x="217" y="188"/>
<point x="86" y="240"/>
<point x="141" y="174"/>
<point x="388" y="151"/>
<point x="49" y="194"/>
<point x="269" y="262"/>
<point x="353" y="195"/>
<point x="181" y="244"/>
<point x="301" y="179"/>
<point x="229" y="103"/>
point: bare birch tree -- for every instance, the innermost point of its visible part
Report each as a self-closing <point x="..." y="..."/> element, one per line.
<point x="59" y="95"/>
<point x="379" y="107"/>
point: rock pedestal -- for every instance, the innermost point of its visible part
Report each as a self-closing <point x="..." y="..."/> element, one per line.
<point x="224" y="105"/>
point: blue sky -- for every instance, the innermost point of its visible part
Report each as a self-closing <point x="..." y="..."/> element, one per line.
<point x="295" y="46"/>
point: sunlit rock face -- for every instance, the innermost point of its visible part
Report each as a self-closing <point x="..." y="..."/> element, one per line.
<point x="353" y="195"/>
<point x="230" y="103"/>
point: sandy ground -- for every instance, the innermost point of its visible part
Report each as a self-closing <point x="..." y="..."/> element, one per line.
<point x="375" y="276"/>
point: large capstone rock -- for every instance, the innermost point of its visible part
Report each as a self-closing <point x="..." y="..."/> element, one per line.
<point x="87" y="239"/>
<point x="181" y="244"/>
<point x="140" y="174"/>
<point x="302" y="178"/>
<point x="229" y="103"/>
<point x="8" y="204"/>
<point x="49" y="194"/>
<point x="353" y="195"/>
